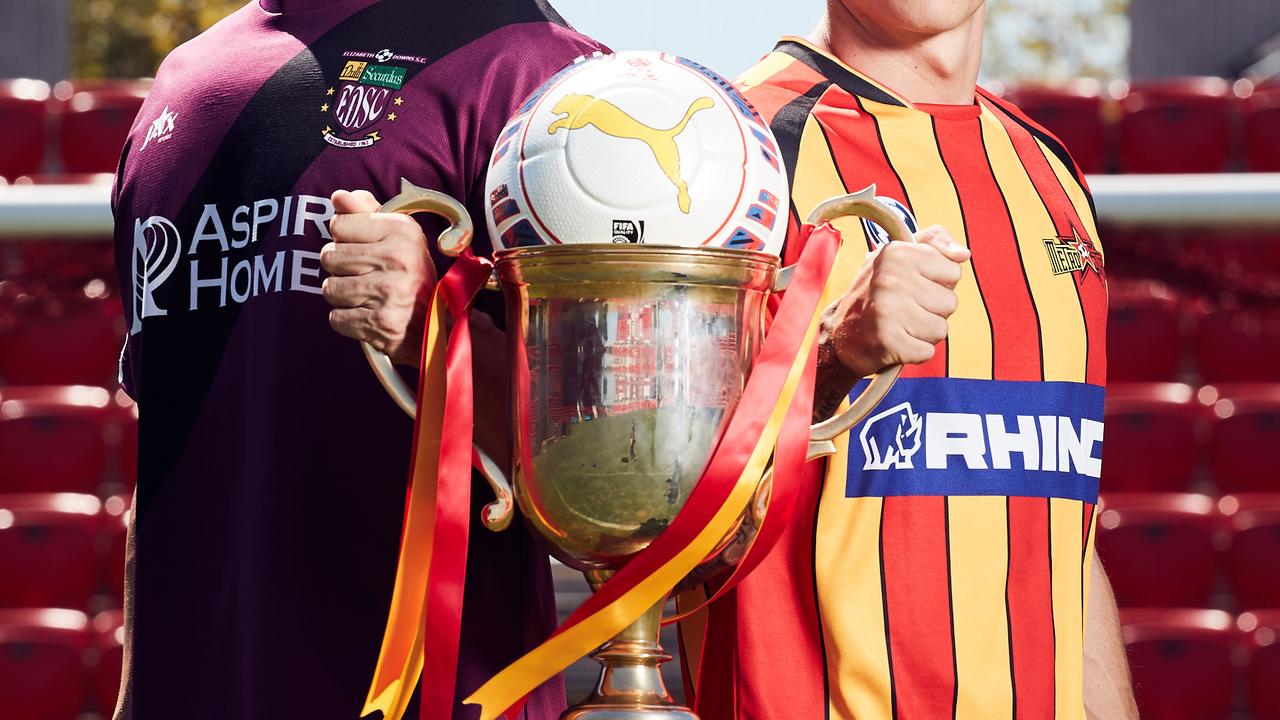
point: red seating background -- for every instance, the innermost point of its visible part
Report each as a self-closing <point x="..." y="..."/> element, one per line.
<point x="1189" y="524"/>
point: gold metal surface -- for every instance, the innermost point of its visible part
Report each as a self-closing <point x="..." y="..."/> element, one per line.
<point x="452" y="241"/>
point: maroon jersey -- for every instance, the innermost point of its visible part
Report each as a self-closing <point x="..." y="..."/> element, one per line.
<point x="272" y="466"/>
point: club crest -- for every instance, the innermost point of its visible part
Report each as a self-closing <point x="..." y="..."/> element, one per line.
<point x="367" y="99"/>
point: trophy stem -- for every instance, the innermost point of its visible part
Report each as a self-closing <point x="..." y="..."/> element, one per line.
<point x="630" y="686"/>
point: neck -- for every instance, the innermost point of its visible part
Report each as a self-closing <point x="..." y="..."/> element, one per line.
<point x="921" y="67"/>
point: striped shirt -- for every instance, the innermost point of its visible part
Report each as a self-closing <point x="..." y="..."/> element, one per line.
<point x="941" y="567"/>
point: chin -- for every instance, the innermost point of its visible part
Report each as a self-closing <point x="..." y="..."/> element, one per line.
<point x="917" y="17"/>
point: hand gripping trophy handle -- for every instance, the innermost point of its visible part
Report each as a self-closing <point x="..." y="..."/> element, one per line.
<point x="859" y="204"/>
<point x="452" y="241"/>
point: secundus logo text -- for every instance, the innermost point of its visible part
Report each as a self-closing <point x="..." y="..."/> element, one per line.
<point x="900" y="438"/>
<point x="229" y="256"/>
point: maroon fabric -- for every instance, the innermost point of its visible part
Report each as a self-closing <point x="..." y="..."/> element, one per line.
<point x="272" y="466"/>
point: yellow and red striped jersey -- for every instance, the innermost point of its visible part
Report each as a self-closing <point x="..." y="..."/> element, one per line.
<point x="940" y="569"/>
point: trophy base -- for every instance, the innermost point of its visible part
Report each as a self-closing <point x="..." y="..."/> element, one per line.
<point x="615" y="712"/>
<point x="630" y="685"/>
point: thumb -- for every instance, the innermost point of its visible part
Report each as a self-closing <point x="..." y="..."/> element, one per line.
<point x="937" y="237"/>
<point x="359" y="201"/>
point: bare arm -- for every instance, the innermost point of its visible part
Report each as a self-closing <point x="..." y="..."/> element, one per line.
<point x="1108" y="692"/>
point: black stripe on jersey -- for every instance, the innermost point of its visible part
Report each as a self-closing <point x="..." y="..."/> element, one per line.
<point x="788" y="126"/>
<point x="951" y="610"/>
<point x="817" y="613"/>
<point x="262" y="156"/>
<point x="884" y="600"/>
<point x="1049" y="213"/>
<point x="1055" y="146"/>
<point x="1017" y="245"/>
<point x="968" y="233"/>
<point x="1008" y="616"/>
<point x="834" y="72"/>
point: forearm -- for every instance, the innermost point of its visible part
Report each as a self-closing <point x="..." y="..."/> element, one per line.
<point x="1108" y="692"/>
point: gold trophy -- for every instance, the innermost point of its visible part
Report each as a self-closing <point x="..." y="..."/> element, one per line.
<point x="627" y="362"/>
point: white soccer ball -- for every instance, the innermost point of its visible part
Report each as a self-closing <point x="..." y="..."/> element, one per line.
<point x="637" y="147"/>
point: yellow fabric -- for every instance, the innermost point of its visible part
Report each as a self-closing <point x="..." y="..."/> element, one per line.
<point x="1066" y="530"/>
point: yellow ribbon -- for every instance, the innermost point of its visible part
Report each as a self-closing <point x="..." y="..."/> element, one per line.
<point x="401" y="658"/>
<point x="524" y="675"/>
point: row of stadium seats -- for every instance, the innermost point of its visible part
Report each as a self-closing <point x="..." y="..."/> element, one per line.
<point x="1177" y="125"/>
<point x="1192" y="664"/>
<point x="78" y="129"/>
<point x="61" y="328"/>
<point x="1169" y="126"/>
<point x="1168" y="437"/>
<point x="1187" y="664"/>
<point x="1163" y="549"/>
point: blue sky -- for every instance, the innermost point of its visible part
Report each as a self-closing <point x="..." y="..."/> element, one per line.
<point x="725" y="35"/>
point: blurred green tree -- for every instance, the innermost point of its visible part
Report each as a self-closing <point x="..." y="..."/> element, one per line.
<point x="129" y="38"/>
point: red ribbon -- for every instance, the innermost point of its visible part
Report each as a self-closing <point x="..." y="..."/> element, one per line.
<point x="448" y="571"/>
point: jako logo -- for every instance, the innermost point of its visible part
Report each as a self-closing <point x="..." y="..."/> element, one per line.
<point x="1051" y="443"/>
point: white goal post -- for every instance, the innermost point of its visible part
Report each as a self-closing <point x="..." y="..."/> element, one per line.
<point x="1226" y="199"/>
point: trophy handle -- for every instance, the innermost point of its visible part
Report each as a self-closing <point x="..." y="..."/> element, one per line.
<point x="860" y="204"/>
<point x="455" y="238"/>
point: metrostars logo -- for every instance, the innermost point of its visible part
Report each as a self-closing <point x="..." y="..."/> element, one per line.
<point x="1074" y="253"/>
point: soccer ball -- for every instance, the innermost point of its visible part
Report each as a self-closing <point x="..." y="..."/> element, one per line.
<point x="637" y="147"/>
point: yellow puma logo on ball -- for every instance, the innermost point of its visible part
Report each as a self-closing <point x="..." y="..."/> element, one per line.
<point x="580" y="111"/>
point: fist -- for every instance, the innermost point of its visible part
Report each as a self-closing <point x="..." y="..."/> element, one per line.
<point x="898" y="306"/>
<point x="380" y="276"/>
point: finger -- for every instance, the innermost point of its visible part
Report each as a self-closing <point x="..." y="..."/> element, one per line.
<point x="354" y="323"/>
<point x="352" y="292"/>
<point x="359" y="201"/>
<point x="347" y="259"/>
<point x="365" y="227"/>
<point x="911" y="350"/>
<point x="936" y="267"/>
<point x="937" y="237"/>
<point x="925" y="326"/>
<point x="936" y="299"/>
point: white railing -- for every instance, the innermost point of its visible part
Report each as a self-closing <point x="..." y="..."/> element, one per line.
<point x="83" y="211"/>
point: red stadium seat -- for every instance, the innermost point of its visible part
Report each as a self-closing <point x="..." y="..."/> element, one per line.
<point x="1151" y="441"/>
<point x="1261" y="128"/>
<point x="1243" y="439"/>
<point x="1160" y="548"/>
<point x="116" y="522"/>
<point x="1144" y="333"/>
<point x="48" y="549"/>
<point x="42" y="675"/>
<point x="94" y="126"/>
<point x="23" y="109"/>
<point x="1253" y="519"/>
<point x="1072" y="112"/>
<point x="1178" y="126"/>
<point x="80" y="344"/>
<point x="1260" y="631"/>
<point x="53" y="439"/>
<point x="108" y="628"/>
<point x="1181" y="662"/>
<point x="1238" y="346"/>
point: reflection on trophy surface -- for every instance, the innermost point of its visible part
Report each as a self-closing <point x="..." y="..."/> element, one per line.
<point x="630" y="378"/>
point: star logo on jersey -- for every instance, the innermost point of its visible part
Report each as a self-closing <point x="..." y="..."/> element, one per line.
<point x="1074" y="253"/>
<point x="365" y="93"/>
<point x="161" y="128"/>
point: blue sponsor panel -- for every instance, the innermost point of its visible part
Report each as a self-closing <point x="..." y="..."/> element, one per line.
<point x="941" y="436"/>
